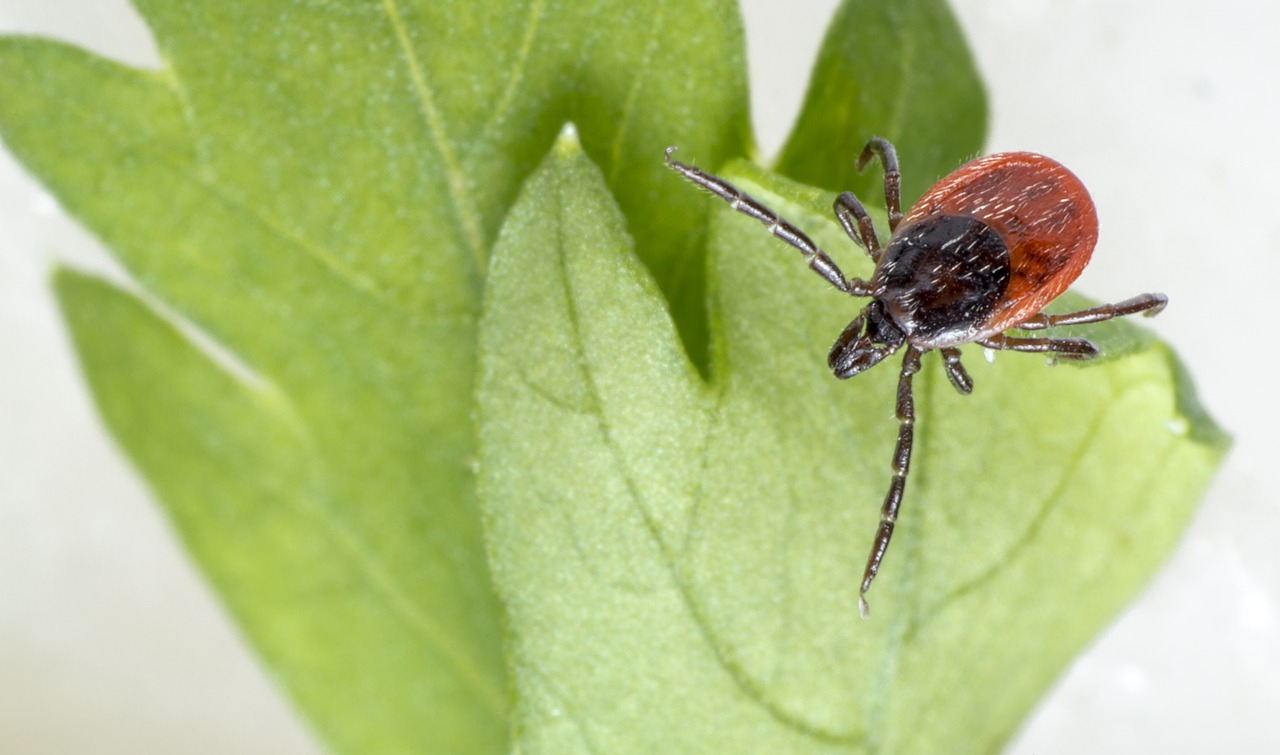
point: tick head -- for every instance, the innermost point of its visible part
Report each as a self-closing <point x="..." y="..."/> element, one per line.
<point x="865" y="342"/>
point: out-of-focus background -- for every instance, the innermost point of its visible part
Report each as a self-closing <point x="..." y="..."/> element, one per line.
<point x="111" y="643"/>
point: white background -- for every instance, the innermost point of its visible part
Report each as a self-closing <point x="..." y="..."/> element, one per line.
<point x="111" y="643"/>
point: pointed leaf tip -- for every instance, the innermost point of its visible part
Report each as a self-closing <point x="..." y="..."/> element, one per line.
<point x="568" y="144"/>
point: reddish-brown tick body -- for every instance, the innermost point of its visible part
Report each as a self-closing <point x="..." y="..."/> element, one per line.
<point x="982" y="252"/>
<point x="1042" y="230"/>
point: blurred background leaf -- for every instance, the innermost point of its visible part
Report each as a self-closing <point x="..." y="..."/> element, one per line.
<point x="898" y="70"/>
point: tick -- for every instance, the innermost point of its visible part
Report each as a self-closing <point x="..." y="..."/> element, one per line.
<point x="982" y="252"/>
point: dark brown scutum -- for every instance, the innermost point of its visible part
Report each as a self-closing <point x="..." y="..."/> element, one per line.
<point x="941" y="277"/>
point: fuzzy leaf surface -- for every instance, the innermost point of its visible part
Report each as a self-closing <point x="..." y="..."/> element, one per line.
<point x="305" y="196"/>
<point x="681" y="559"/>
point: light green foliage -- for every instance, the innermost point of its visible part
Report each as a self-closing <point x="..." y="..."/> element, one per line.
<point x="675" y="496"/>
<point x="680" y="560"/>
<point x="315" y="186"/>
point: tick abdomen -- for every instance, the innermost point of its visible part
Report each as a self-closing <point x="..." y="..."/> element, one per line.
<point x="941" y="278"/>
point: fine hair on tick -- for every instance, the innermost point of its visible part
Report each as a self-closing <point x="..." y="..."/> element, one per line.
<point x="981" y="253"/>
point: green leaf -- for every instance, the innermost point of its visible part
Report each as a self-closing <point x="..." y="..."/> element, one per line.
<point x="680" y="560"/>
<point x="244" y="475"/>
<point x="312" y="188"/>
<point x="588" y="512"/>
<point x="1037" y="507"/>
<point x="358" y="364"/>
<point x="899" y="70"/>
<point x="434" y="112"/>
<point x="306" y="196"/>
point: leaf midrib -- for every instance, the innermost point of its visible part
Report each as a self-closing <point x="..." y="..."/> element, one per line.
<point x="461" y="203"/>
<point x="671" y="559"/>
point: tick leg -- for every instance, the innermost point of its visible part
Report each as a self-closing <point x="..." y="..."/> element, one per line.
<point x="1148" y="304"/>
<point x="857" y="223"/>
<point x="956" y="372"/>
<point x="818" y="260"/>
<point x="1061" y="348"/>
<point x="906" y="411"/>
<point x="881" y="148"/>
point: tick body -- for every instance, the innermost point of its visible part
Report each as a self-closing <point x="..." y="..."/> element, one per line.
<point x="982" y="252"/>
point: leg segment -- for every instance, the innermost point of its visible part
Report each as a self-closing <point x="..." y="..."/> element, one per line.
<point x="1148" y="304"/>
<point x="817" y="259"/>
<point x="1060" y="348"/>
<point x="956" y="372"/>
<point x="906" y="411"/>
<point x="857" y="223"/>
<point x="881" y="148"/>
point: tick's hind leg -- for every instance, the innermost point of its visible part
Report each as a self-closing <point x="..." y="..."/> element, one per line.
<point x="901" y="464"/>
<point x="818" y="260"/>
<point x="1148" y="304"/>
<point x="1060" y="348"/>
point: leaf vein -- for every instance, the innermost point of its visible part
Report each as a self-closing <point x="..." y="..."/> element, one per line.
<point x="190" y="168"/>
<point x="456" y="178"/>
<point x="670" y="555"/>
<point x="1051" y="502"/>
<point x="906" y="70"/>
<point x="633" y="93"/>
<point x="516" y="75"/>
<point x="393" y="595"/>
<point x="275" y="402"/>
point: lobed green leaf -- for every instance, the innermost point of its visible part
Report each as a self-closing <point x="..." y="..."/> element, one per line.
<point x="364" y="639"/>
<point x="1036" y="508"/>
<point x="313" y="188"/>
<point x="681" y="561"/>
<point x="676" y="496"/>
